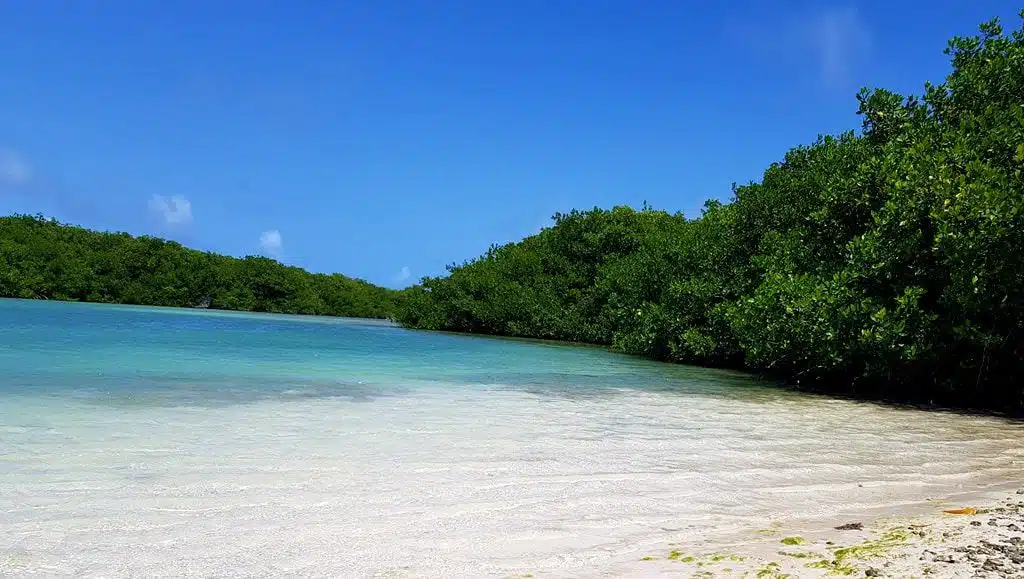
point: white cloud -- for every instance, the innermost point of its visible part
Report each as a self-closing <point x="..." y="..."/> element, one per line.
<point x="840" y="39"/>
<point x="14" y="169"/>
<point x="404" y="274"/>
<point x="270" y="241"/>
<point x="175" y="210"/>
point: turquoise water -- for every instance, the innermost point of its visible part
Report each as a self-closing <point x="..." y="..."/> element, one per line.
<point x="124" y="354"/>
<point x="161" y="442"/>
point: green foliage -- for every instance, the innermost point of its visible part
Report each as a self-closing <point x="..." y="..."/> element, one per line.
<point x="43" y="259"/>
<point x="886" y="263"/>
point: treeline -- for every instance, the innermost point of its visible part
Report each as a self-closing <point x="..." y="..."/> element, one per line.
<point x="44" y="259"/>
<point x="885" y="264"/>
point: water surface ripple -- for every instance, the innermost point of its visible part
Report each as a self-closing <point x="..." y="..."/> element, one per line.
<point x="145" y="442"/>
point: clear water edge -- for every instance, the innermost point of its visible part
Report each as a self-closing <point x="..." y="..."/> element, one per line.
<point x="155" y="442"/>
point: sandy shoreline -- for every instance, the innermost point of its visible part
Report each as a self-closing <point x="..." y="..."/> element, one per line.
<point x="988" y="543"/>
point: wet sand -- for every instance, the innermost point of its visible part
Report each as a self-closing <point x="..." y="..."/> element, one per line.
<point x="984" y="541"/>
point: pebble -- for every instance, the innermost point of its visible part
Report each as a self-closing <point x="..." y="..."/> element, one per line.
<point x="999" y="555"/>
<point x="996" y="552"/>
<point x="991" y="565"/>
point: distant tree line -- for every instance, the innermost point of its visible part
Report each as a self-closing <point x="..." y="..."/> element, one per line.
<point x="43" y="259"/>
<point x="885" y="264"/>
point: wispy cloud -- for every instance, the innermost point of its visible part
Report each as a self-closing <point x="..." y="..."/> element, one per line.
<point x="829" y="43"/>
<point x="270" y="241"/>
<point x="174" y="210"/>
<point x="14" y="168"/>
<point x="840" y="39"/>
<point x="403" y="274"/>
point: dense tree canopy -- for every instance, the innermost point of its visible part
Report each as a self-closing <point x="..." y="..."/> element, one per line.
<point x="886" y="263"/>
<point x="44" y="259"/>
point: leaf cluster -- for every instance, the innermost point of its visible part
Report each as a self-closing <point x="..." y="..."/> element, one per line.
<point x="43" y="259"/>
<point x="887" y="262"/>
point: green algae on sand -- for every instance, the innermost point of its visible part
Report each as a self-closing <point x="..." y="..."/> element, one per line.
<point x="700" y="560"/>
<point x="843" y="558"/>
<point x="771" y="570"/>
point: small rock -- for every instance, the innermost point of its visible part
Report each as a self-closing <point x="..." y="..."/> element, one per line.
<point x="975" y="523"/>
<point x="991" y="565"/>
<point x="1020" y="491"/>
<point x="872" y="572"/>
<point x="850" y="527"/>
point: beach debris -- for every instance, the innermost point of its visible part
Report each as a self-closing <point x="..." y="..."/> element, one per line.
<point x="960" y="547"/>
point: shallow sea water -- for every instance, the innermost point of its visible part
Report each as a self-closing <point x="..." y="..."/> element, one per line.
<point x="157" y="442"/>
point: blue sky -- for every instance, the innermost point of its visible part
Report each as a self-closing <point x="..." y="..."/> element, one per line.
<point x="384" y="139"/>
